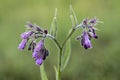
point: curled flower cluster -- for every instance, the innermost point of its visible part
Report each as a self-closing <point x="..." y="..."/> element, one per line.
<point x="88" y="26"/>
<point x="39" y="51"/>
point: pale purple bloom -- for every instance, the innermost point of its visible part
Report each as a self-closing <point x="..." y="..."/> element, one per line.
<point x="40" y="53"/>
<point x="85" y="41"/>
<point x="35" y="54"/>
<point x="26" y="35"/>
<point x="38" y="49"/>
<point x="41" y="56"/>
<point x="34" y="27"/>
<point x="33" y="33"/>
<point x="39" y="45"/>
<point x="39" y="61"/>
<point x="88" y="26"/>
<point x="22" y="44"/>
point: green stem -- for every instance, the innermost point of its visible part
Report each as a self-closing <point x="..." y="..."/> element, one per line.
<point x="61" y="50"/>
<point x="43" y="73"/>
<point x="60" y="53"/>
<point x="69" y="35"/>
<point x="59" y="56"/>
<point x="59" y="64"/>
<point x="58" y="45"/>
<point x="59" y="59"/>
<point x="54" y="39"/>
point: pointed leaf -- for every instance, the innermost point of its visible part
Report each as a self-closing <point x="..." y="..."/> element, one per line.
<point x="72" y="20"/>
<point x="43" y="73"/>
<point x="56" y="73"/>
<point x="72" y="13"/>
<point x="53" y="29"/>
<point x="66" y="54"/>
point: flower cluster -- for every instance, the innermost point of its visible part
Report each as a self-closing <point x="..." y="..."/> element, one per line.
<point x="88" y="26"/>
<point x="35" y="37"/>
<point x="38" y="48"/>
<point x="32" y="34"/>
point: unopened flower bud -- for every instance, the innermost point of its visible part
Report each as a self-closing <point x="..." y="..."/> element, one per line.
<point x="26" y="35"/>
<point x="22" y="44"/>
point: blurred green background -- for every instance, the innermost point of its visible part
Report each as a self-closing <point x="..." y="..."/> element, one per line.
<point x="100" y="63"/>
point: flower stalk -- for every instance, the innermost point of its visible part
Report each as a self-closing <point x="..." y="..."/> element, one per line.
<point x="60" y="51"/>
<point x="39" y="51"/>
<point x="59" y="63"/>
<point x="69" y="35"/>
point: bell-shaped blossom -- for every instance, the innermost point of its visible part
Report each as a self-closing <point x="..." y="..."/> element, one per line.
<point x="89" y="31"/>
<point x="39" y="45"/>
<point x="39" y="61"/>
<point x="85" y="41"/>
<point x="40" y="53"/>
<point x="22" y="44"/>
<point x="26" y="35"/>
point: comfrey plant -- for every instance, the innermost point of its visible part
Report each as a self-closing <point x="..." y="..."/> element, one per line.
<point x="39" y="51"/>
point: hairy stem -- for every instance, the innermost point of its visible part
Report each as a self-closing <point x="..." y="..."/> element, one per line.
<point x="59" y="56"/>
<point x="60" y="53"/>
<point x="59" y="64"/>
<point x="61" y="50"/>
<point x="55" y="40"/>
<point x="69" y="35"/>
<point x="57" y="43"/>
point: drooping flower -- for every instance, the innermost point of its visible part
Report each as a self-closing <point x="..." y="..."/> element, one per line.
<point x="33" y="33"/>
<point x="39" y="45"/>
<point x="89" y="31"/>
<point x="39" y="61"/>
<point x="85" y="41"/>
<point x="26" y="35"/>
<point x="42" y="56"/>
<point x="34" y="27"/>
<point x="40" y="53"/>
<point x="22" y="44"/>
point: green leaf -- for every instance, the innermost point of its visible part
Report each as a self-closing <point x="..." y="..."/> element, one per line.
<point x="53" y="29"/>
<point x="66" y="54"/>
<point x="56" y="73"/>
<point x="73" y="16"/>
<point x="43" y="73"/>
<point x="73" y="21"/>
